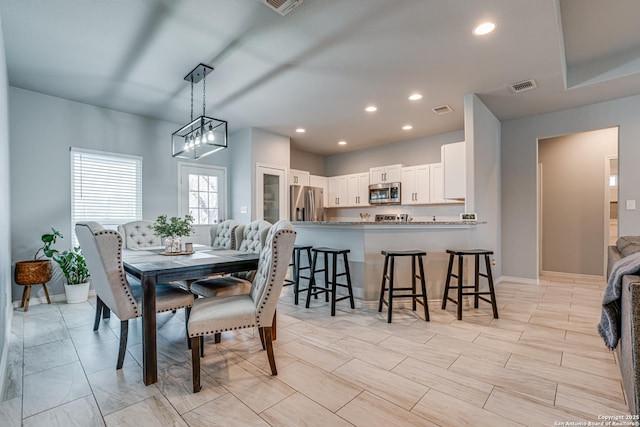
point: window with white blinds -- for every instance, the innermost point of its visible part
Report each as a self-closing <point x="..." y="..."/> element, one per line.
<point x="105" y="187"/>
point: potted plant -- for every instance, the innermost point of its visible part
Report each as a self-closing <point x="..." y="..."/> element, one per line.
<point x="74" y="268"/>
<point x="173" y="230"/>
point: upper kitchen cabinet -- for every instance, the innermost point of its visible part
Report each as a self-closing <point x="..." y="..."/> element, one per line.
<point x="382" y="174"/>
<point x="454" y="166"/>
<point x="415" y="185"/>
<point x="322" y="182"/>
<point x="358" y="189"/>
<point x="436" y="184"/>
<point x="338" y="192"/>
<point x="297" y="177"/>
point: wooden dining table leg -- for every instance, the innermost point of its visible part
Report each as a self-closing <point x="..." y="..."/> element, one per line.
<point x="149" y="342"/>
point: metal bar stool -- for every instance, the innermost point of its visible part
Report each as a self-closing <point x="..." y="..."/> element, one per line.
<point x="330" y="268"/>
<point x="295" y="263"/>
<point x="476" y="284"/>
<point x="389" y="257"/>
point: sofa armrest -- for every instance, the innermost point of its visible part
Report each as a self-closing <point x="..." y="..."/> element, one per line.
<point x="629" y="345"/>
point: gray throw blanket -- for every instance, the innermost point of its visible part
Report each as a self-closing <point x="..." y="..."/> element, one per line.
<point x="609" y="327"/>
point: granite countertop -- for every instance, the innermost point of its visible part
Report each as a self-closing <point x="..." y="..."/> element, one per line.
<point x="450" y="222"/>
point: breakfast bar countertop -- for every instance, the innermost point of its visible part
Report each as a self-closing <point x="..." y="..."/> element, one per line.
<point x="392" y="223"/>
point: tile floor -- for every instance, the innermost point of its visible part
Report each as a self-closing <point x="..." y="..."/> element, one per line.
<point x="541" y="362"/>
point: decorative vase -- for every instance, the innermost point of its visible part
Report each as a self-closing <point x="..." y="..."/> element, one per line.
<point x="76" y="293"/>
<point x="173" y="244"/>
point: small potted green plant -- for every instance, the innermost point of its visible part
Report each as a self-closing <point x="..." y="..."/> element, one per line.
<point x="74" y="268"/>
<point x="173" y="230"/>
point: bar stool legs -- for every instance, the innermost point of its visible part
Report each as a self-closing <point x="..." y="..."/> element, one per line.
<point x="331" y="275"/>
<point x="297" y="269"/>
<point x="476" y="253"/>
<point x="388" y="275"/>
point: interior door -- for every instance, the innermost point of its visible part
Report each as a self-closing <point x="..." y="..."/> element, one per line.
<point x="271" y="197"/>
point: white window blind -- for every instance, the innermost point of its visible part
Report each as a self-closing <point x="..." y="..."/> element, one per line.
<point x="105" y="187"/>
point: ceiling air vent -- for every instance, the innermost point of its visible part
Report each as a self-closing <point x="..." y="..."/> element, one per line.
<point x="443" y="109"/>
<point x="282" y="6"/>
<point x="523" y="86"/>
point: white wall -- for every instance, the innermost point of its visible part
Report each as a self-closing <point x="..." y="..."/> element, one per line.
<point x="248" y="147"/>
<point x="5" y="248"/>
<point x="241" y="177"/>
<point x="482" y="134"/>
<point x="311" y="162"/>
<point x="519" y="173"/>
<point x="411" y="152"/>
<point x="42" y="128"/>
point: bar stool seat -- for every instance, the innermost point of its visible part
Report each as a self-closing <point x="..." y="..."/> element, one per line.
<point x="330" y="286"/>
<point x="389" y="258"/>
<point x="476" y="253"/>
<point x="295" y="264"/>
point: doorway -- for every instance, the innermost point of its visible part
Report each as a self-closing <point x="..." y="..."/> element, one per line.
<point x="574" y="199"/>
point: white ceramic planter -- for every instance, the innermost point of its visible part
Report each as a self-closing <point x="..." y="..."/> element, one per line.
<point x="77" y="293"/>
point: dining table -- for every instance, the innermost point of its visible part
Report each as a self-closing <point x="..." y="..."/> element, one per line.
<point x="152" y="265"/>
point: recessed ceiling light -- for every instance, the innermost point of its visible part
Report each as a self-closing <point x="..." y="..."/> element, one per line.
<point x="484" y="28"/>
<point x="371" y="109"/>
<point x="342" y="143"/>
<point x="407" y="127"/>
<point x="415" y="97"/>
<point x="301" y="130"/>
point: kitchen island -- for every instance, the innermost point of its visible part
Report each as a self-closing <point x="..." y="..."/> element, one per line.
<point x="366" y="239"/>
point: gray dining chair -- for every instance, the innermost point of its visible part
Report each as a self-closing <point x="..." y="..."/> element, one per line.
<point x="213" y="315"/>
<point x="102" y="250"/>
<point x="223" y="235"/>
<point x="139" y="235"/>
<point x="249" y="238"/>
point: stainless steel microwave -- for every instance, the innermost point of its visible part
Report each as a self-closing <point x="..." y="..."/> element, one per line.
<point x="384" y="194"/>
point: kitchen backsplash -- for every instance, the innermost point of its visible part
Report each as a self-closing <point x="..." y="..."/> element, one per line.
<point x="417" y="213"/>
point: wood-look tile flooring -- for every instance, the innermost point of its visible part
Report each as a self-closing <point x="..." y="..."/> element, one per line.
<point x="541" y="362"/>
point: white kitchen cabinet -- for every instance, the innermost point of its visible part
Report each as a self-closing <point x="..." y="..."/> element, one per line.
<point x="358" y="189"/>
<point x="322" y="182"/>
<point x="415" y="188"/>
<point x="382" y="174"/>
<point x="338" y="188"/>
<point x="454" y="167"/>
<point x="297" y="177"/>
<point x="436" y="183"/>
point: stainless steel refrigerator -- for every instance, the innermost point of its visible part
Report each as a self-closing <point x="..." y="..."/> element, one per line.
<point x="306" y="203"/>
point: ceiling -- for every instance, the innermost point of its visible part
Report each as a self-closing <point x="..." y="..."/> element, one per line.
<point x="319" y="66"/>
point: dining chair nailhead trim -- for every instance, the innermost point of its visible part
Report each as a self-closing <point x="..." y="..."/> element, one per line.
<point x="123" y="278"/>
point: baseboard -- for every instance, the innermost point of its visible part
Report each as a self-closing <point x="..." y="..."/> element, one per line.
<point x="4" y="357"/>
<point x="54" y="298"/>
<point x="512" y="279"/>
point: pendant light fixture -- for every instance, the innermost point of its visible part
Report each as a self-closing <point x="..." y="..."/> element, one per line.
<point x="203" y="135"/>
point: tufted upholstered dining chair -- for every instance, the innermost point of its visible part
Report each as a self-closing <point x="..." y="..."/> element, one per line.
<point x="139" y="235"/>
<point x="223" y="234"/>
<point x="102" y="250"/>
<point x="255" y="309"/>
<point x="249" y="238"/>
